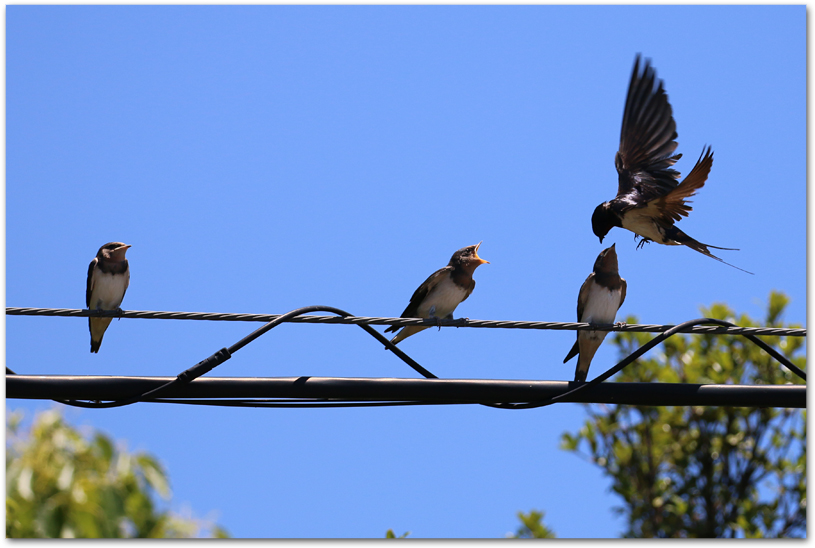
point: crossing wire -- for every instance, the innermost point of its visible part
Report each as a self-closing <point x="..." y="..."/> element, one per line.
<point x="301" y="314"/>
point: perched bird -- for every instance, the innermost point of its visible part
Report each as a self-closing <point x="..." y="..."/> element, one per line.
<point x="649" y="200"/>
<point x="601" y="295"/>
<point x="442" y="292"/>
<point x="108" y="278"/>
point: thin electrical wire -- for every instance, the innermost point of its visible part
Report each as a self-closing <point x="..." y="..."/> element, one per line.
<point x="400" y="322"/>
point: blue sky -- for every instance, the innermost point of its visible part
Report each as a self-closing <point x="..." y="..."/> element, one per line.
<point x="260" y="159"/>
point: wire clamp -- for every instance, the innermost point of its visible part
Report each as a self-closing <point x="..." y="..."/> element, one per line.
<point x="205" y="366"/>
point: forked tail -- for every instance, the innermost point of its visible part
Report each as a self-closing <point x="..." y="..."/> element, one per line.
<point x="682" y="238"/>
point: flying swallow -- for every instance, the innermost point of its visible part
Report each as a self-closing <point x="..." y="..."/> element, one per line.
<point x="442" y="292"/>
<point x="108" y="278"/>
<point x="601" y="295"/>
<point x="649" y="200"/>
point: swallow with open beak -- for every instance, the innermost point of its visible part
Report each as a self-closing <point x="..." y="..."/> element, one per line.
<point x="442" y="292"/>
<point x="649" y="200"/>
<point x="108" y="278"/>
<point x="601" y="295"/>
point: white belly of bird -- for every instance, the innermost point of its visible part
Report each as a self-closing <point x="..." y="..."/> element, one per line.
<point x="108" y="290"/>
<point x="445" y="297"/>
<point x="640" y="221"/>
<point x="601" y="306"/>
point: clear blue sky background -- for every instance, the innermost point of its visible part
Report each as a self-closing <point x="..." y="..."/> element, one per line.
<point x="260" y="159"/>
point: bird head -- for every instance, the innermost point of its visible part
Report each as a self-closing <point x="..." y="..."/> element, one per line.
<point x="113" y="251"/>
<point x="603" y="220"/>
<point x="467" y="257"/>
<point x="606" y="260"/>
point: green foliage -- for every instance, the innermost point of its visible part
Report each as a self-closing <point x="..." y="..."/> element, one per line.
<point x="704" y="471"/>
<point x="532" y="526"/>
<point x="60" y="484"/>
<point x="391" y="534"/>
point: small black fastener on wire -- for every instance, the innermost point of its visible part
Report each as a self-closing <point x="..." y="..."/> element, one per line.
<point x="204" y="366"/>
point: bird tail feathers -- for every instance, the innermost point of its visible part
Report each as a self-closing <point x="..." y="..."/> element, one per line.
<point x="97" y="327"/>
<point x="572" y="353"/>
<point x="682" y="238"/>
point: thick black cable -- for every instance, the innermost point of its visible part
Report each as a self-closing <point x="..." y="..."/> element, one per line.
<point x="292" y="404"/>
<point x="342" y="389"/>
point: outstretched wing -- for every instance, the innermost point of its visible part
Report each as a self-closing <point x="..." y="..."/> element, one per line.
<point x="674" y="205"/>
<point x="419" y="295"/>
<point x="647" y="140"/>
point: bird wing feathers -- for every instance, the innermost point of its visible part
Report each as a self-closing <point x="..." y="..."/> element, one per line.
<point x="673" y="206"/>
<point x="469" y="291"/>
<point x="647" y="140"/>
<point x="421" y="292"/>
<point x="622" y="292"/>
<point x="89" y="287"/>
<point x="582" y="297"/>
<point x="573" y="352"/>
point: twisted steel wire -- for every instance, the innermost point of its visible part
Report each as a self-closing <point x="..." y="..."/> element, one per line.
<point x="363" y="320"/>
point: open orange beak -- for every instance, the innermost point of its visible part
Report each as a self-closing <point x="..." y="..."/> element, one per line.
<point x="475" y="254"/>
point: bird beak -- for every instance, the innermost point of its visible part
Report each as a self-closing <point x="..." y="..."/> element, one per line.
<point x="120" y="251"/>
<point x="475" y="254"/>
<point x="601" y="239"/>
<point x="612" y="251"/>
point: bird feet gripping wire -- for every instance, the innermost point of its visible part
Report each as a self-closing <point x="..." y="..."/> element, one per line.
<point x="438" y="320"/>
<point x="447" y="317"/>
